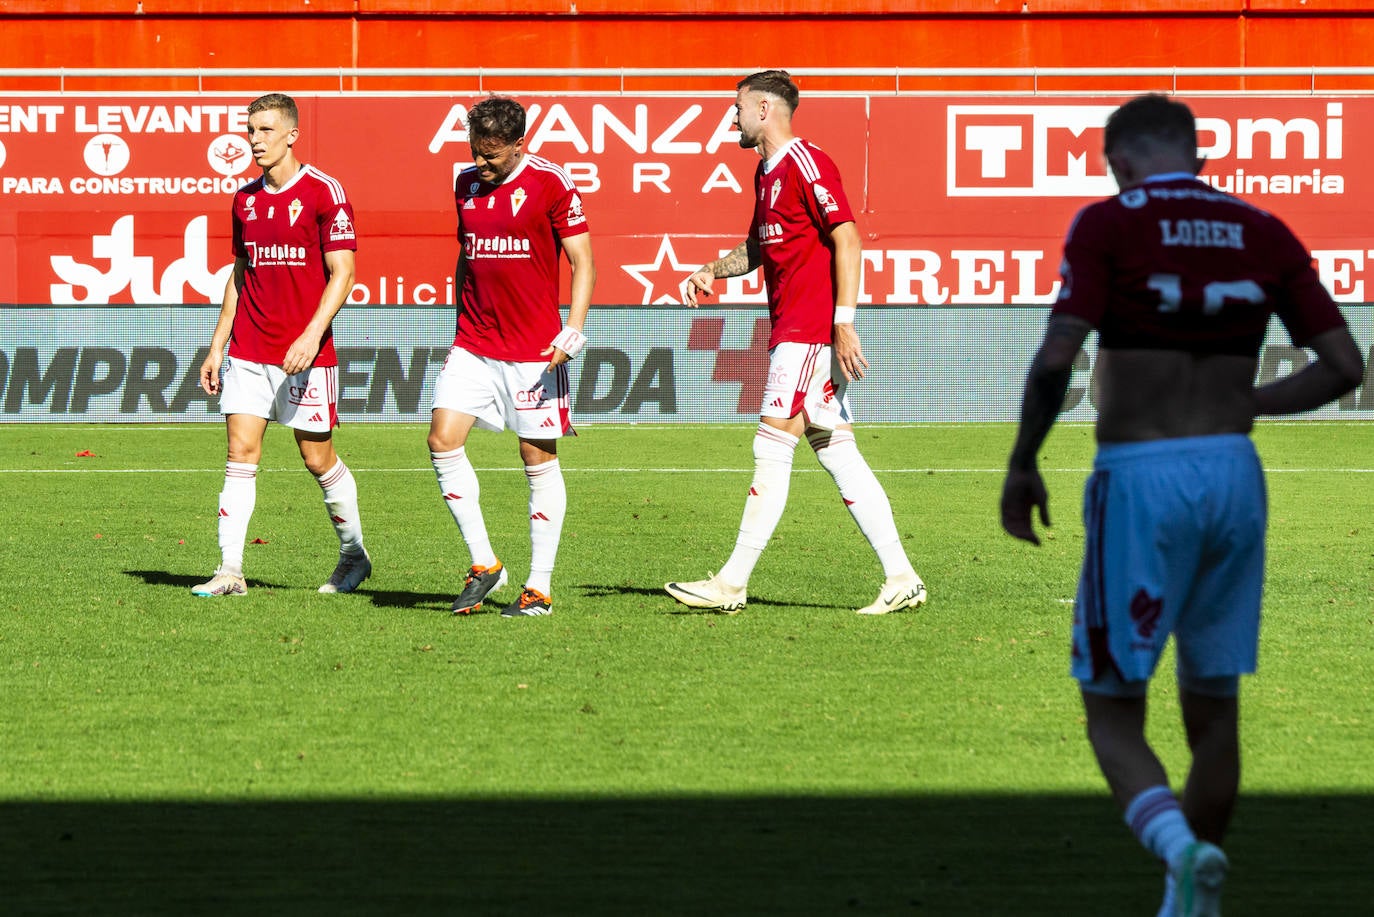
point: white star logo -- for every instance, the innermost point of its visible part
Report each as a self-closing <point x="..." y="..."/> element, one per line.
<point x="644" y="273"/>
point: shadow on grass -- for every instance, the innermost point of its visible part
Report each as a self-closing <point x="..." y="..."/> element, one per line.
<point x="185" y="581"/>
<point x="671" y="606"/>
<point x="947" y="854"/>
<point x="380" y="598"/>
<point x="399" y="598"/>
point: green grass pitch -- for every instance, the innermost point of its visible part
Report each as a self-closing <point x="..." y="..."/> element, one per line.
<point x="293" y="753"/>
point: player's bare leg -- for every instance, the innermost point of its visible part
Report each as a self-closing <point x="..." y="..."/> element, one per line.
<point x="1212" y="724"/>
<point x="1116" y="729"/>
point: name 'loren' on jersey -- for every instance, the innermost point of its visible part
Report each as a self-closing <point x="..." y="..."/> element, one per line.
<point x="1172" y="264"/>
<point x="511" y="235"/>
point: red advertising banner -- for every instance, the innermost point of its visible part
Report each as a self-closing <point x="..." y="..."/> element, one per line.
<point x="123" y="199"/>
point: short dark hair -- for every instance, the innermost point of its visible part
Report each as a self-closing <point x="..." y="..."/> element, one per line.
<point x="774" y="82"/>
<point x="499" y="117"/>
<point x="1151" y="117"/>
<point x="276" y="101"/>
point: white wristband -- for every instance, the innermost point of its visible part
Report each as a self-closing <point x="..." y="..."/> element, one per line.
<point x="570" y="341"/>
<point x="844" y="315"/>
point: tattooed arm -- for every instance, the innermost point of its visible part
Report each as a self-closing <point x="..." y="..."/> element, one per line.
<point x="741" y="260"/>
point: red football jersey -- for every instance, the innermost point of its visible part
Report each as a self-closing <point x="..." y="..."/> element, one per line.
<point x="511" y="235"/>
<point x="284" y="234"/>
<point x="1174" y="264"/>
<point x="798" y="200"/>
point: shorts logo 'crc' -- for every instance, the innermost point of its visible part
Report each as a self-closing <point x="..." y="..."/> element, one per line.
<point x="531" y="398"/>
<point x="1024" y="150"/>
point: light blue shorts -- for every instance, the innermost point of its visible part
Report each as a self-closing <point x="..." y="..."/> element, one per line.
<point x="1175" y="545"/>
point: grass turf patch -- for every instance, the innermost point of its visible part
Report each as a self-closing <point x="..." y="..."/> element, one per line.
<point x="796" y="753"/>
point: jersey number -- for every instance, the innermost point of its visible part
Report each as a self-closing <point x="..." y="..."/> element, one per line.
<point x="1214" y="295"/>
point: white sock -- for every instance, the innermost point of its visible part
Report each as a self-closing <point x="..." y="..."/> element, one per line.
<point x="458" y="484"/>
<point x="1156" y="819"/>
<point x="773" y="451"/>
<point x="863" y="495"/>
<point x="548" y="507"/>
<point x="341" y="501"/>
<point x="236" y="502"/>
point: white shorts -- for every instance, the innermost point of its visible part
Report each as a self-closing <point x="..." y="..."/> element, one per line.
<point x="504" y="395"/>
<point x="803" y="378"/>
<point x="307" y="401"/>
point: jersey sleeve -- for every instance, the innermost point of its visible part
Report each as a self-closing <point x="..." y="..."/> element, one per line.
<point x="236" y="240"/>
<point x="1085" y="271"/>
<point x="565" y="213"/>
<point x="1305" y="306"/>
<point x="825" y="195"/>
<point x="337" y="231"/>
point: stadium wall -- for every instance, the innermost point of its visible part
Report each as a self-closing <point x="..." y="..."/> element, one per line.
<point x="743" y="34"/>
<point x="115" y="203"/>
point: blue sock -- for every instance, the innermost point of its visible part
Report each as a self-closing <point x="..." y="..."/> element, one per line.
<point x="1155" y="818"/>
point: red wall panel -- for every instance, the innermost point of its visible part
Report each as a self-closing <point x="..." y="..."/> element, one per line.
<point x="702" y="33"/>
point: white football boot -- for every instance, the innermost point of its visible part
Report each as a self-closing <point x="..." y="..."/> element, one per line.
<point x="712" y="594"/>
<point x="897" y="593"/>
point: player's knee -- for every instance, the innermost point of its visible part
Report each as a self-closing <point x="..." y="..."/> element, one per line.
<point x="439" y="443"/>
<point x="1221" y="687"/>
<point x="772" y="444"/>
<point x="835" y="450"/>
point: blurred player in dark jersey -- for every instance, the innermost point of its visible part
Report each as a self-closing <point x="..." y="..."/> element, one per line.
<point x="1179" y="281"/>
<point x="803" y="235"/>
<point x="508" y="366"/>
<point x="293" y="243"/>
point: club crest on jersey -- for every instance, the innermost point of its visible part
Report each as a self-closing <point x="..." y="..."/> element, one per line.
<point x="249" y="214"/>
<point x="472" y="188"/>
<point x="774" y="191"/>
<point x="517" y="200"/>
<point x="575" y="214"/>
<point x="294" y="210"/>
<point x="825" y="198"/>
<point x="341" y="228"/>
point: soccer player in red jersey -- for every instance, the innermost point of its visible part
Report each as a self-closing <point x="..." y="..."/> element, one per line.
<point x="1179" y="281"/>
<point x="803" y="234"/>
<point x="508" y="366"/>
<point x="293" y="243"/>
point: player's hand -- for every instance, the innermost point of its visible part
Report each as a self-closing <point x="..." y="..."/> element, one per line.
<point x="300" y="356"/>
<point x="567" y="344"/>
<point x="848" y="353"/>
<point x="1021" y="492"/>
<point x="209" y="372"/>
<point x="556" y="356"/>
<point x="696" y="286"/>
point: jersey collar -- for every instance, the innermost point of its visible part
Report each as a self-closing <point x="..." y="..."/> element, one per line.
<point x="777" y="157"/>
<point x="1169" y="176"/>
<point x="516" y="171"/>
